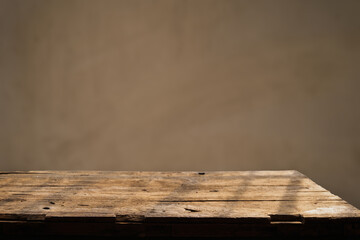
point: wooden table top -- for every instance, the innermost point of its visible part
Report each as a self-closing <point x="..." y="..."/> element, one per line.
<point x="173" y="204"/>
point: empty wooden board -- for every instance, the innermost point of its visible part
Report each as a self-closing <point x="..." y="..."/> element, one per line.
<point x="224" y="204"/>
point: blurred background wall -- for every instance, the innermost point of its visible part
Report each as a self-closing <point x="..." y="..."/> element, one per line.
<point x="182" y="85"/>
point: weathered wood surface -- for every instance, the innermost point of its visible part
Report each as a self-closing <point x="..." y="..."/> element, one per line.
<point x="177" y="204"/>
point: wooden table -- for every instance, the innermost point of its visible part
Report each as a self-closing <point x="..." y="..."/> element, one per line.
<point x="171" y="204"/>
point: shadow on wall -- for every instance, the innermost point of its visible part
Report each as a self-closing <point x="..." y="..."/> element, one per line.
<point x="182" y="85"/>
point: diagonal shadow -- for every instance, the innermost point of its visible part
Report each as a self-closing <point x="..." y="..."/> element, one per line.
<point x="186" y="186"/>
<point x="289" y="201"/>
<point x="232" y="202"/>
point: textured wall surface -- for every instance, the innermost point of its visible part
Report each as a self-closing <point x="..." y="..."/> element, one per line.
<point x="182" y="85"/>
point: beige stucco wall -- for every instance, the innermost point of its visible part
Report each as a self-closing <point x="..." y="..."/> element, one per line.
<point x="183" y="85"/>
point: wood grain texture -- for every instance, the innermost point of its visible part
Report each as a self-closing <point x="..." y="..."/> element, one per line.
<point x="172" y="204"/>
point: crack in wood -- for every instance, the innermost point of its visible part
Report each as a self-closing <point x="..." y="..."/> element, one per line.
<point x="192" y="210"/>
<point x="250" y="200"/>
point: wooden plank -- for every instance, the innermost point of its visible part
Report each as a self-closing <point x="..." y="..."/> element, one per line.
<point x="266" y="200"/>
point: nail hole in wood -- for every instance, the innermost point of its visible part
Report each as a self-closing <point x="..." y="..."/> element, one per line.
<point x="201" y="173"/>
<point x="46" y="208"/>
